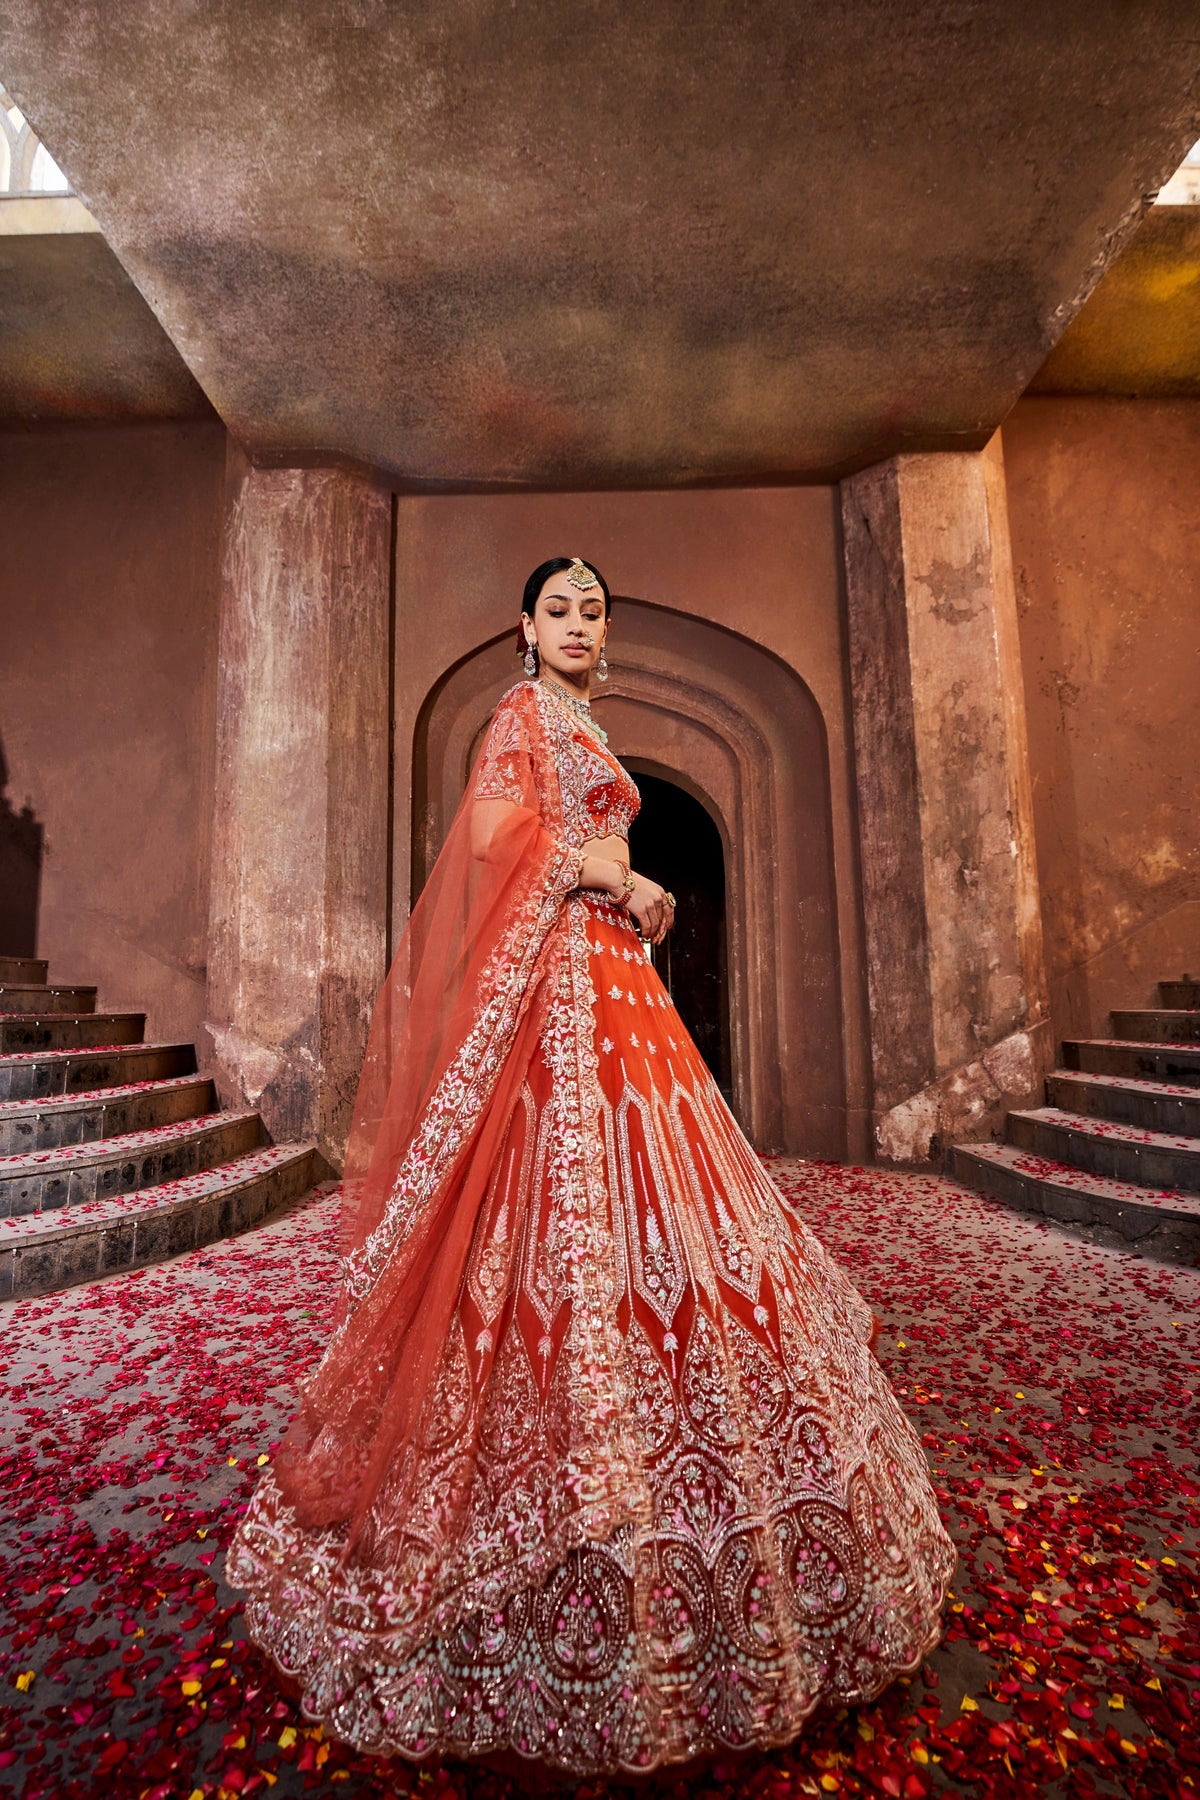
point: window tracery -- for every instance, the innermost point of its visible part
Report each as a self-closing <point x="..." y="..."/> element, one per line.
<point x="26" y="166"/>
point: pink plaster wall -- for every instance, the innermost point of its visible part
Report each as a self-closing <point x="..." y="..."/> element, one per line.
<point x="108" y="639"/>
<point x="1104" y="510"/>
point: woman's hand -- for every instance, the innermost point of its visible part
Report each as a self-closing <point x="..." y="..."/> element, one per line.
<point x="650" y="907"/>
<point x="647" y="903"/>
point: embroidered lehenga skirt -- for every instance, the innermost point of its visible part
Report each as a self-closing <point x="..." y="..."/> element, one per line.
<point x="664" y="1500"/>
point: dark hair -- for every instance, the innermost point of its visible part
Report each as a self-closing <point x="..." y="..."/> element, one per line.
<point x="554" y="565"/>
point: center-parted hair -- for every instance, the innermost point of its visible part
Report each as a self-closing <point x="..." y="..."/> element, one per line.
<point x="554" y="565"/>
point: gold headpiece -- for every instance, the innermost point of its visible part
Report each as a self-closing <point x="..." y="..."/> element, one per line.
<point x="580" y="576"/>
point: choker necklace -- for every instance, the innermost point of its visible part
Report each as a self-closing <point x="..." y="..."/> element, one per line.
<point x="581" y="708"/>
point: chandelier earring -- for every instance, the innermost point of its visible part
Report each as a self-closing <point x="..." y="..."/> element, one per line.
<point x="602" y="666"/>
<point x="530" y="660"/>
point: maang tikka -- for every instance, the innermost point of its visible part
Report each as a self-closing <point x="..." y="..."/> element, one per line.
<point x="580" y="576"/>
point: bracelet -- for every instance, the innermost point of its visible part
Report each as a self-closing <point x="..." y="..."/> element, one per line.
<point x="628" y="884"/>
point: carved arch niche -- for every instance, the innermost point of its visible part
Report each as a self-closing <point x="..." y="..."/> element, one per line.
<point x="727" y="721"/>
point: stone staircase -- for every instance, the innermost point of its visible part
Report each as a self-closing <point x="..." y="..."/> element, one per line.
<point x="113" y="1153"/>
<point x="1116" y="1148"/>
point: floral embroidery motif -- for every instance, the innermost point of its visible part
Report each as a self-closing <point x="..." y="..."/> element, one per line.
<point x="667" y="1502"/>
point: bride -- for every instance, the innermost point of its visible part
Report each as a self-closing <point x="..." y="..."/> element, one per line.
<point x="598" y="1466"/>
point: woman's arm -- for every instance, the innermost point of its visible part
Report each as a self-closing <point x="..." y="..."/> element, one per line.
<point x="605" y="861"/>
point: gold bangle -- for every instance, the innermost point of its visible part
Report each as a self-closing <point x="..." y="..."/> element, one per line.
<point x="628" y="885"/>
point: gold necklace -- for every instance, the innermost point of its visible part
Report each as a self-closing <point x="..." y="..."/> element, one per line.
<point x="580" y="708"/>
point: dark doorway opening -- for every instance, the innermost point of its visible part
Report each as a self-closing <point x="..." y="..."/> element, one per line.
<point x="674" y="841"/>
<point x="21" y="849"/>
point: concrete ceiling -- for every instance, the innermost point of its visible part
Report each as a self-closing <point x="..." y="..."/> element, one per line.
<point x="588" y="243"/>
<point x="77" y="341"/>
<point x="1139" y="333"/>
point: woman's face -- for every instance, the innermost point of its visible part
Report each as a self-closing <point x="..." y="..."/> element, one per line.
<point x="568" y="627"/>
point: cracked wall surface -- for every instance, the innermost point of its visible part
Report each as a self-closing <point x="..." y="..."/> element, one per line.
<point x="953" y="928"/>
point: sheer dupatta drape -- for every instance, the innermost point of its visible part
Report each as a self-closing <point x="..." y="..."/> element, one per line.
<point x="454" y="1030"/>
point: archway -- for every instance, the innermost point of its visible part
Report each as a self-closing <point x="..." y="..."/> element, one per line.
<point x="721" y="718"/>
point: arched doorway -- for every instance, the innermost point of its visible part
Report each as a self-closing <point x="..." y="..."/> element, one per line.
<point x="718" y="716"/>
<point x="675" y="842"/>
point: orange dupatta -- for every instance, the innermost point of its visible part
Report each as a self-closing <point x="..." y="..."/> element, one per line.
<point x="454" y="1030"/>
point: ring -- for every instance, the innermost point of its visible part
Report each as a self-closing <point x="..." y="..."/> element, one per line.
<point x="669" y="898"/>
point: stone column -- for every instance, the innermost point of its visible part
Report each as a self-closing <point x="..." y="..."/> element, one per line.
<point x="956" y="980"/>
<point x="298" y="929"/>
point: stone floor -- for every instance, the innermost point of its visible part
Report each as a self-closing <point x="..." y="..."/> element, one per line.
<point x="1055" y="1384"/>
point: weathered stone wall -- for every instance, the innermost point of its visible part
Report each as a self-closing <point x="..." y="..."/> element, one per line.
<point x="108" y="646"/>
<point x="298" y="929"/>
<point x="109" y="728"/>
<point x="953" y="932"/>
<point x="1104" y="504"/>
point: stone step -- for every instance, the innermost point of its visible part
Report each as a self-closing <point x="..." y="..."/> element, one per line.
<point x="69" y="1031"/>
<point x="40" y="1252"/>
<point x="41" y="1074"/>
<point x="76" y="1173"/>
<point x="1161" y="1223"/>
<point x="1153" y="1158"/>
<point x="27" y="998"/>
<point x="1149" y="1105"/>
<point x="31" y="1125"/>
<point x="23" y="968"/>
<point x="1184" y="993"/>
<point x="1176" y="1063"/>
<point x="1158" y="1025"/>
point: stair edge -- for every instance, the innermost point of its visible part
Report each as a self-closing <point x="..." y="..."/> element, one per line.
<point x="156" y="1232"/>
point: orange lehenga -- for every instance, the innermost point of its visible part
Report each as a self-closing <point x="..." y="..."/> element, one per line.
<point x="598" y="1466"/>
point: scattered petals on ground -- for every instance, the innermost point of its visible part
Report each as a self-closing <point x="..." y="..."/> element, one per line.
<point x="1055" y="1384"/>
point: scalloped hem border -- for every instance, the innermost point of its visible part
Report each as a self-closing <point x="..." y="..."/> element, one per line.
<point x="822" y="1700"/>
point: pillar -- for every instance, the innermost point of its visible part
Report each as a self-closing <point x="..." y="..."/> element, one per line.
<point x="298" y="917"/>
<point x="956" y="980"/>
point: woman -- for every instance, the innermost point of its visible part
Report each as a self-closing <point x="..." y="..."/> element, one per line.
<point x="598" y="1466"/>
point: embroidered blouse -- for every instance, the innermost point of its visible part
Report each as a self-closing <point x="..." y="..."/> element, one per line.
<point x="599" y="798"/>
